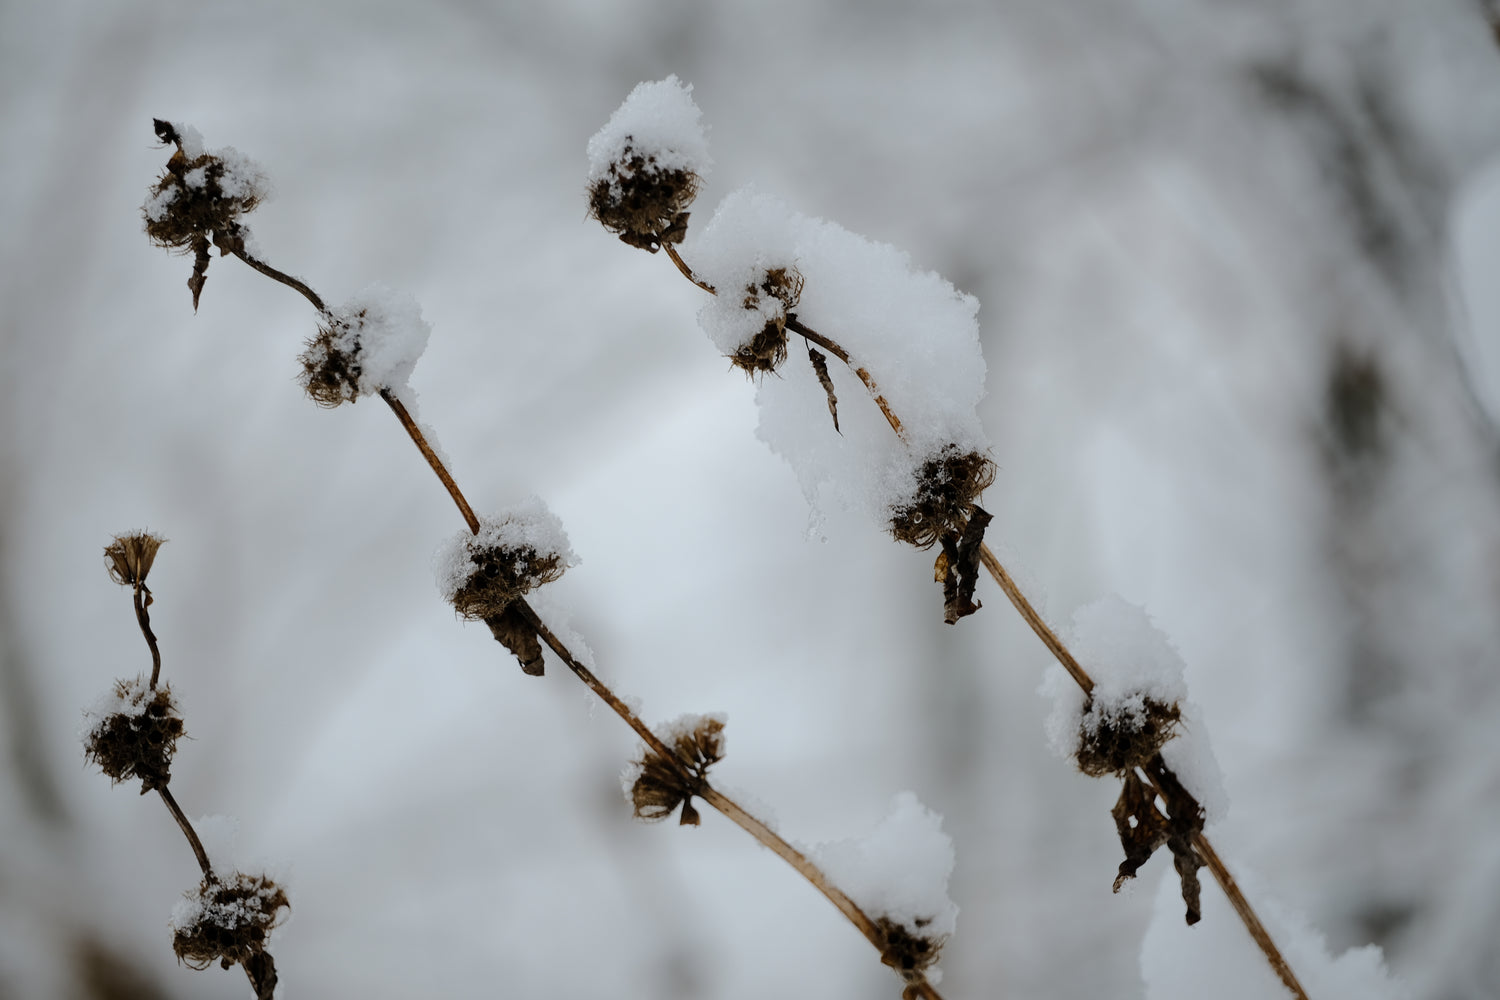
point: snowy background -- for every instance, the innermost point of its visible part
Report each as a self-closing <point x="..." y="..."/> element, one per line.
<point x="1235" y="264"/>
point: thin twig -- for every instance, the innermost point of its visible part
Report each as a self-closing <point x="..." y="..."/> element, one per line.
<point x="687" y="272"/>
<point x="1038" y="624"/>
<point x="187" y="830"/>
<point x="143" y="617"/>
<point x="420" y="440"/>
<point x="793" y="323"/>
<point x="284" y="278"/>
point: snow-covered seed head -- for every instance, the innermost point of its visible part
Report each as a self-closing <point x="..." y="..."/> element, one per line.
<point x="512" y="554"/>
<point x="948" y="485"/>
<point x="774" y="296"/>
<point x="128" y="558"/>
<point x="330" y="363"/>
<point x="656" y="786"/>
<point x="911" y="955"/>
<point x="365" y="346"/>
<point x="201" y="195"/>
<point x="132" y="733"/>
<point x="1121" y="738"/>
<point x="642" y="202"/>
<point x="227" y="920"/>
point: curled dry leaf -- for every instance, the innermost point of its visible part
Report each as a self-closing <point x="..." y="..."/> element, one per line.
<point x="820" y="365"/>
<point x="1143" y="828"/>
<point x="661" y="785"/>
<point x="515" y="632"/>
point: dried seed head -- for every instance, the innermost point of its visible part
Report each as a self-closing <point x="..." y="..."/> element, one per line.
<point x="330" y="363"/>
<point x="128" y="558"/>
<point x="642" y="202"/>
<point x="132" y="733"/>
<point x="656" y="786"/>
<point x="948" y="485"/>
<point x="910" y="954"/>
<point x="513" y="554"/>
<point x="227" y="920"/>
<point x="774" y="296"/>
<point x="198" y="200"/>
<point x="1117" y="738"/>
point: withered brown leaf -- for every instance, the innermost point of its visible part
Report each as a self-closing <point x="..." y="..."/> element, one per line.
<point x="820" y="365"/>
<point x="515" y="633"/>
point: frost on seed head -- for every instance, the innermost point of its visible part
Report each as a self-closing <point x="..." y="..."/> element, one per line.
<point x="646" y="163"/>
<point x="227" y="919"/>
<point x="132" y="732"/>
<point x="656" y="786"/>
<point x="198" y="200"/>
<point x="898" y="874"/>
<point x="484" y="574"/>
<point x="370" y="343"/>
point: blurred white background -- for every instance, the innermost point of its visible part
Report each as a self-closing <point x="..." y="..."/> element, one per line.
<point x="1235" y="259"/>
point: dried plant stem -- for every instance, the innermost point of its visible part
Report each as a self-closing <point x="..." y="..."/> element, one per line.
<point x="187" y="830"/>
<point x="143" y="618"/>
<point x="1059" y="651"/>
<point x="284" y="278"/>
<point x="687" y="272"/>
<point x="726" y="806"/>
<point x="441" y="470"/>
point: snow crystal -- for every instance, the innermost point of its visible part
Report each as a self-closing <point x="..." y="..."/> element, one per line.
<point x="384" y="330"/>
<point x="1217" y="958"/>
<point x="1131" y="660"/>
<point x="527" y="525"/>
<point x="658" y="119"/>
<point x="899" y="871"/>
<point x="912" y="331"/>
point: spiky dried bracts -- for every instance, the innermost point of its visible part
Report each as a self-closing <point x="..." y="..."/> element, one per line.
<point x="898" y="875"/>
<point x="943" y="509"/>
<point x="484" y="575"/>
<point x="1138" y="724"/>
<point x="646" y="163"/>
<point x="199" y="199"/>
<point x="132" y="732"/>
<point x="368" y="345"/>
<point x="656" y="786"/>
<point x="129" y="557"/>
<point x="228" y="919"/>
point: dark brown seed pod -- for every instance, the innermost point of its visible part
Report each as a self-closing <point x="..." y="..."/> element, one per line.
<point x="227" y="920"/>
<point x="502" y="573"/>
<point x="948" y="485"/>
<point x="330" y="362"/>
<point x="661" y="785"/>
<point x="910" y="954"/>
<point x="779" y="290"/>
<point x="1118" y="739"/>
<point x="642" y="203"/>
<point x="134" y="734"/>
<point x="129" y="558"/>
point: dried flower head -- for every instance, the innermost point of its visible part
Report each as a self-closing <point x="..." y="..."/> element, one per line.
<point x="774" y="296"/>
<point x="369" y="344"/>
<point x="132" y="732"/>
<point x="227" y="919"/>
<point x="128" y="558"/>
<point x="1118" y="737"/>
<point x="642" y="202"/>
<point x="513" y="553"/>
<point x="948" y="485"/>
<point x="910" y="954"/>
<point x="199" y="198"/>
<point x="657" y="786"/>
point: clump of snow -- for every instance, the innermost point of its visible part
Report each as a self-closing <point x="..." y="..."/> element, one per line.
<point x="131" y="698"/>
<point x="1217" y="958"/>
<point x="1131" y="661"/>
<point x="899" y="871"/>
<point x="384" y="330"/>
<point x="658" y="120"/>
<point x="190" y="139"/>
<point x="527" y="527"/>
<point x="912" y="331"/>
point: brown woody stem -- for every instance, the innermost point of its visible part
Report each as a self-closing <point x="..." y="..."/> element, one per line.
<point x="1038" y="624"/>
<point x="187" y="830"/>
<point x="687" y="272"/>
<point x="284" y="278"/>
<point x="143" y="618"/>
<point x="1247" y="915"/>
<point x="420" y="440"/>
<point x="794" y="324"/>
